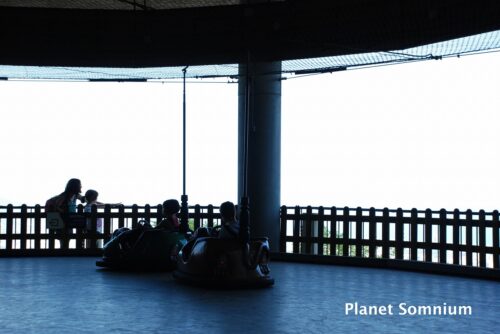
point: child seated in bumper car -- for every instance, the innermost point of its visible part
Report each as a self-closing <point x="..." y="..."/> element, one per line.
<point x="170" y="223"/>
<point x="145" y="247"/>
<point x="171" y="209"/>
<point x="230" y="227"/>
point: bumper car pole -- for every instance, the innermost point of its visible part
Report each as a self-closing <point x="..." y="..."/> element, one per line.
<point x="245" y="210"/>
<point x="184" y="226"/>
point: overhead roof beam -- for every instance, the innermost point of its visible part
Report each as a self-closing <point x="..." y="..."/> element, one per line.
<point x="291" y="29"/>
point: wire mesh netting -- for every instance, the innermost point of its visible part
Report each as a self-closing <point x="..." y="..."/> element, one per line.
<point x="484" y="42"/>
<point x="118" y="4"/>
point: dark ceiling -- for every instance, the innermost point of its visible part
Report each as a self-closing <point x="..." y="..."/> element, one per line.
<point x="176" y="33"/>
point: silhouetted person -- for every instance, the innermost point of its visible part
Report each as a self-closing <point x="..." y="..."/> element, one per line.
<point x="230" y="227"/>
<point x="91" y="199"/>
<point x="170" y="221"/>
<point x="66" y="201"/>
<point x="65" y="204"/>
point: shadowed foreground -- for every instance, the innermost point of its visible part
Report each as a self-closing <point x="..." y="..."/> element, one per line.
<point x="68" y="295"/>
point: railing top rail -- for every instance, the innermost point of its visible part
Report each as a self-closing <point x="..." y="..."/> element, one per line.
<point x="112" y="206"/>
<point x="192" y="207"/>
<point x="419" y="211"/>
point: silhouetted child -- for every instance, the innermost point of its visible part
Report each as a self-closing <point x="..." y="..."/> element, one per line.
<point x="171" y="209"/>
<point x="91" y="198"/>
<point x="230" y="226"/>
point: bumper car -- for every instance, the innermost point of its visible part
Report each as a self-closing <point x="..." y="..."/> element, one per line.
<point x="224" y="263"/>
<point x="142" y="249"/>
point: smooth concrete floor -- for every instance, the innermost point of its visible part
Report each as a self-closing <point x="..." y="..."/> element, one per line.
<point x="71" y="295"/>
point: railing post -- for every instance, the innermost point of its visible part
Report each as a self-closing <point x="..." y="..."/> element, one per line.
<point x="359" y="231"/>
<point x="372" y="234"/>
<point x="197" y="216"/>
<point x="496" y="246"/>
<point x="385" y="233"/>
<point x="79" y="238"/>
<point x="333" y="231"/>
<point x="51" y="234"/>
<point x="107" y="220"/>
<point x="121" y="216"/>
<point x="399" y="234"/>
<point x="283" y="220"/>
<point x="442" y="236"/>
<point x="456" y="237"/>
<point x="147" y="213"/>
<point x="308" y="225"/>
<point x="296" y="230"/>
<point x="24" y="226"/>
<point x="93" y="227"/>
<point x="38" y="227"/>
<point x="414" y="234"/>
<point x="159" y="214"/>
<point x="321" y="230"/>
<point x="345" y="241"/>
<point x="468" y="237"/>
<point x="9" y="227"/>
<point x="135" y="216"/>
<point x="190" y="215"/>
<point x="482" y="239"/>
<point x="64" y="236"/>
<point x="428" y="235"/>
<point x="210" y="218"/>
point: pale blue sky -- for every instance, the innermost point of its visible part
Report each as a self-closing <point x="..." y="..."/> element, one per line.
<point x="412" y="135"/>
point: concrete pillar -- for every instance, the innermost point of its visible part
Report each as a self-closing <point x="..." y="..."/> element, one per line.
<point x="264" y="148"/>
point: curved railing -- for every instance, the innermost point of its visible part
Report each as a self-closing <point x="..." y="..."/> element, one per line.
<point x="456" y="242"/>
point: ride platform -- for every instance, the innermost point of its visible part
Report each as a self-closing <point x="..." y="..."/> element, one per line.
<point x="71" y="295"/>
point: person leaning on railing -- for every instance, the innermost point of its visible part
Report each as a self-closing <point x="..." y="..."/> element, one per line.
<point x="65" y="205"/>
<point x="66" y="201"/>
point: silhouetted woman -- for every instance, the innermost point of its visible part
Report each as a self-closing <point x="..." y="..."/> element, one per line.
<point x="66" y="201"/>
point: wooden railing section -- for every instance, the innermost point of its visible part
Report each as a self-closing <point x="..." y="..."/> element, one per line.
<point x="461" y="238"/>
<point x="398" y="238"/>
<point x="24" y="230"/>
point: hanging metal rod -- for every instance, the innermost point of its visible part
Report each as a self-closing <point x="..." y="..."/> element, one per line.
<point x="184" y="130"/>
